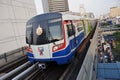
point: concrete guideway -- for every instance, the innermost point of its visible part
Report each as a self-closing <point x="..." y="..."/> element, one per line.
<point x="88" y="69"/>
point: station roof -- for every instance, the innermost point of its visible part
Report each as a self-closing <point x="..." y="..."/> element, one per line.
<point x="108" y="71"/>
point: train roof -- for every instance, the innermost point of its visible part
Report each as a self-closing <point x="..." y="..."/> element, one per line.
<point x="45" y="16"/>
<point x="64" y="16"/>
<point x="70" y="17"/>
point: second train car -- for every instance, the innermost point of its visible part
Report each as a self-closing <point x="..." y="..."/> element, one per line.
<point x="55" y="37"/>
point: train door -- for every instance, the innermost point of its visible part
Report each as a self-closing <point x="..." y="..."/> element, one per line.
<point x="71" y="34"/>
<point x="86" y="27"/>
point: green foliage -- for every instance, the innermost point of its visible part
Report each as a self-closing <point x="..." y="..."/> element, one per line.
<point x="116" y="50"/>
<point x="117" y="35"/>
<point x="117" y="25"/>
<point x="105" y="24"/>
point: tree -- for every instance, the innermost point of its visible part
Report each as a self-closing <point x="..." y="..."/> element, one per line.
<point x="117" y="35"/>
<point x="117" y="49"/>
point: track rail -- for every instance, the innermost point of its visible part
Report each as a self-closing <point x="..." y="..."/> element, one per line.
<point x="27" y="72"/>
<point x="16" y="71"/>
<point x="47" y="74"/>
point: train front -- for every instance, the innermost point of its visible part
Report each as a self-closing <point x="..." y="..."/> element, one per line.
<point x="45" y="37"/>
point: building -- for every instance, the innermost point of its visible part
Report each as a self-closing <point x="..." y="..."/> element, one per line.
<point x="89" y="15"/>
<point x="44" y="6"/>
<point x="105" y="16"/>
<point x="114" y="11"/>
<point x="58" y="5"/>
<point x="82" y="10"/>
<point x="85" y="14"/>
<point x="13" y="17"/>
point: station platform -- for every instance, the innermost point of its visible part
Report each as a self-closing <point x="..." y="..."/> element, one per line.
<point x="108" y="71"/>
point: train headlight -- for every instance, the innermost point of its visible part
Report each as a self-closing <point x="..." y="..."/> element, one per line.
<point x="28" y="49"/>
<point x="58" y="47"/>
<point x="55" y="48"/>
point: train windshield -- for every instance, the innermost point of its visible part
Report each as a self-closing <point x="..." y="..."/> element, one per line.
<point x="44" y="32"/>
<point x="55" y="30"/>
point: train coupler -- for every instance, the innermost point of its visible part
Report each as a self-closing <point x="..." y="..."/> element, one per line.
<point x="42" y="66"/>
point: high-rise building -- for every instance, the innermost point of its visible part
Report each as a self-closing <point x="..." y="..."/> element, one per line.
<point x="44" y="6"/>
<point x="89" y="15"/>
<point x="58" y="5"/>
<point x="114" y="11"/>
<point x="85" y="14"/>
<point x="82" y="10"/>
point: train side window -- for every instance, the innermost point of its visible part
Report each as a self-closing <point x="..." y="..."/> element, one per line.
<point x="80" y="29"/>
<point x="79" y="26"/>
<point x="70" y="30"/>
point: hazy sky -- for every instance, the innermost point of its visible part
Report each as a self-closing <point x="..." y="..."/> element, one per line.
<point x="98" y="7"/>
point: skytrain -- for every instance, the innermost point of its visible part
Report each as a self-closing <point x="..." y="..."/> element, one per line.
<point x="55" y="37"/>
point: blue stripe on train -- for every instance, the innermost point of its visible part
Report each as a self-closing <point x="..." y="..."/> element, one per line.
<point x="60" y="60"/>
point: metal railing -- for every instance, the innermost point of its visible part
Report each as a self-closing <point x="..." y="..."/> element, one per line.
<point x="7" y="54"/>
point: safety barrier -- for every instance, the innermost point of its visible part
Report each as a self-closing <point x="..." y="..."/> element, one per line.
<point x="7" y="54"/>
<point x="88" y="69"/>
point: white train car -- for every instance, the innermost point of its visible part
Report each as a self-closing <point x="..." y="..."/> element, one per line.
<point x="55" y="37"/>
